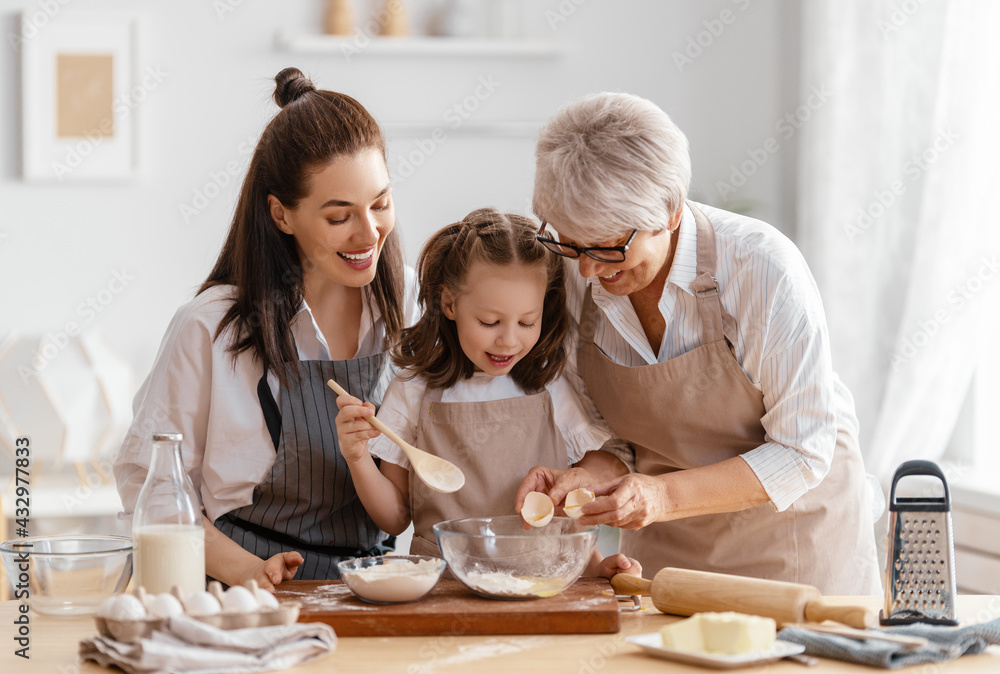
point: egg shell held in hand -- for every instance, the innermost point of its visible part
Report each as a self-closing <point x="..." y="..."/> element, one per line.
<point x="122" y="607"/>
<point x="537" y="509"/>
<point x="239" y="599"/>
<point x="575" y="500"/>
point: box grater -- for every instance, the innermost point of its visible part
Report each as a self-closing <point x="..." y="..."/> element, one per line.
<point x="920" y="572"/>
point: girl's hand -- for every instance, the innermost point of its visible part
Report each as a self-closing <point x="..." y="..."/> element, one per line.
<point x="612" y="565"/>
<point x="353" y="429"/>
<point x="270" y="572"/>
<point x="630" y="502"/>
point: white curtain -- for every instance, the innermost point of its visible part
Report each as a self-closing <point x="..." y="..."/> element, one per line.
<point x="898" y="210"/>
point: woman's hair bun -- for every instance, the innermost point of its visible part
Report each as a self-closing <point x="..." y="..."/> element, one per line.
<point x="290" y="83"/>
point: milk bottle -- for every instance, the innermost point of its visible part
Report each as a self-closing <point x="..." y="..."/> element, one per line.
<point x="167" y="529"/>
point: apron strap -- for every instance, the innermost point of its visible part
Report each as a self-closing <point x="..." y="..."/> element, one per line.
<point x="433" y="394"/>
<point x="588" y="316"/>
<point x="268" y="405"/>
<point x="716" y="322"/>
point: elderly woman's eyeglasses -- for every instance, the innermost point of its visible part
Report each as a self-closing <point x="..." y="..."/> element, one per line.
<point x="599" y="253"/>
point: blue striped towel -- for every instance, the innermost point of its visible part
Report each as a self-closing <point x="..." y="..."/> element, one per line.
<point x="944" y="643"/>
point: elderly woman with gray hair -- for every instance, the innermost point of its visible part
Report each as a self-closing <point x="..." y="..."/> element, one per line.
<point x="700" y="337"/>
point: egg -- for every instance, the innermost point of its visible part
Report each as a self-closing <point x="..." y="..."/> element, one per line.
<point x="202" y="603"/>
<point x="239" y="599"/>
<point x="537" y="509"/>
<point x="265" y="598"/>
<point x="164" y="605"/>
<point x="575" y="500"/>
<point x="122" y="607"/>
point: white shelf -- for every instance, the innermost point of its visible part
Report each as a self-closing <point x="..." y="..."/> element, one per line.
<point x="416" y="46"/>
<point x="497" y="129"/>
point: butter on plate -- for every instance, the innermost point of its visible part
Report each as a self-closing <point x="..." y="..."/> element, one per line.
<point x="726" y="633"/>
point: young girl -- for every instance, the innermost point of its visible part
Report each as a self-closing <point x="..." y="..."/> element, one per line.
<point x="310" y="285"/>
<point x="480" y="383"/>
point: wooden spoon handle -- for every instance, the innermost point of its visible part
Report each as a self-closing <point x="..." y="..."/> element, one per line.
<point x="386" y="431"/>
<point x="626" y="584"/>
<point x="860" y="617"/>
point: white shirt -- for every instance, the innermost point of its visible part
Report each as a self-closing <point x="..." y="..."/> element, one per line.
<point x="197" y="389"/>
<point x="400" y="411"/>
<point x="782" y="343"/>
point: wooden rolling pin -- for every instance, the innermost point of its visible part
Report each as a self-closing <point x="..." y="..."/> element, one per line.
<point x="686" y="592"/>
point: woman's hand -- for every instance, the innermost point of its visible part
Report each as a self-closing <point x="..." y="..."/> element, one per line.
<point x="270" y="572"/>
<point x="353" y="429"/>
<point x="630" y="502"/>
<point x="227" y="561"/>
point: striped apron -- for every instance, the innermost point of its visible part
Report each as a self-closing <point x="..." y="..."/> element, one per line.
<point x="308" y="502"/>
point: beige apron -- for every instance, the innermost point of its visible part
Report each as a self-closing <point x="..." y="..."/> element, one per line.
<point x="495" y="443"/>
<point x="700" y="408"/>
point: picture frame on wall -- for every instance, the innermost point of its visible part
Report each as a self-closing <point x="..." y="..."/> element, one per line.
<point x="78" y="120"/>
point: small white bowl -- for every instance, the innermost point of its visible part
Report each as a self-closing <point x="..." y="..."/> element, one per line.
<point x="391" y="579"/>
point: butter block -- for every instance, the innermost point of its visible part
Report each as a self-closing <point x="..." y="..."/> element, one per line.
<point x="733" y="633"/>
<point x="684" y="635"/>
<point x="720" y="633"/>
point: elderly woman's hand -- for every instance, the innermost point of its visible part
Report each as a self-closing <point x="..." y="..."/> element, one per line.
<point x="630" y="502"/>
<point x="554" y="482"/>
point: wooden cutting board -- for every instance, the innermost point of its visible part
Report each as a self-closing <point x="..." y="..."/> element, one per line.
<point x="588" y="606"/>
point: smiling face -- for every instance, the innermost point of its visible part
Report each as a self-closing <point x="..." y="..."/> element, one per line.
<point x="498" y="316"/>
<point x="341" y="225"/>
<point x="646" y="258"/>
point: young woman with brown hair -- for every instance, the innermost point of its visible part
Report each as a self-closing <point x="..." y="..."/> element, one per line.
<point x="309" y="285"/>
<point x="480" y="384"/>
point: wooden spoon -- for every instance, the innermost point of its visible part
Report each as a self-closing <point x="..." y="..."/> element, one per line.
<point x="438" y="474"/>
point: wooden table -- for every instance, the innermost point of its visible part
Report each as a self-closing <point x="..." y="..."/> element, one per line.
<point x="54" y="645"/>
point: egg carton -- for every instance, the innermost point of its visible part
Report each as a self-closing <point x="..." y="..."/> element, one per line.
<point x="131" y="631"/>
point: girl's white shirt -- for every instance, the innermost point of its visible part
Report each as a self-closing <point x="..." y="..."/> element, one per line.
<point x="400" y="411"/>
<point x="197" y="388"/>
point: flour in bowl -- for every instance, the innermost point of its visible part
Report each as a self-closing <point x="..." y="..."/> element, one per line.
<point x="496" y="582"/>
<point x="499" y="584"/>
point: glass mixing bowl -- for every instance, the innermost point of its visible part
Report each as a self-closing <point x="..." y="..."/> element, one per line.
<point x="67" y="576"/>
<point x="497" y="558"/>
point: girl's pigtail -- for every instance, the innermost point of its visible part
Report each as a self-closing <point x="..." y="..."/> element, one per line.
<point x="429" y="347"/>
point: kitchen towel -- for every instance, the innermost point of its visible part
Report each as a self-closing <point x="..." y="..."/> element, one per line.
<point x="943" y="643"/>
<point x="193" y="647"/>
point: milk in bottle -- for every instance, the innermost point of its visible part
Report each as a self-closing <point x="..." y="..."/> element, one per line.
<point x="167" y="529"/>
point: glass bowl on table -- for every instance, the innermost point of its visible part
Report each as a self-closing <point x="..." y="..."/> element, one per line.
<point x="67" y="576"/>
<point x="497" y="558"/>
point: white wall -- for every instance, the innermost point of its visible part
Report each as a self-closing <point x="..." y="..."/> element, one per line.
<point x="62" y="244"/>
